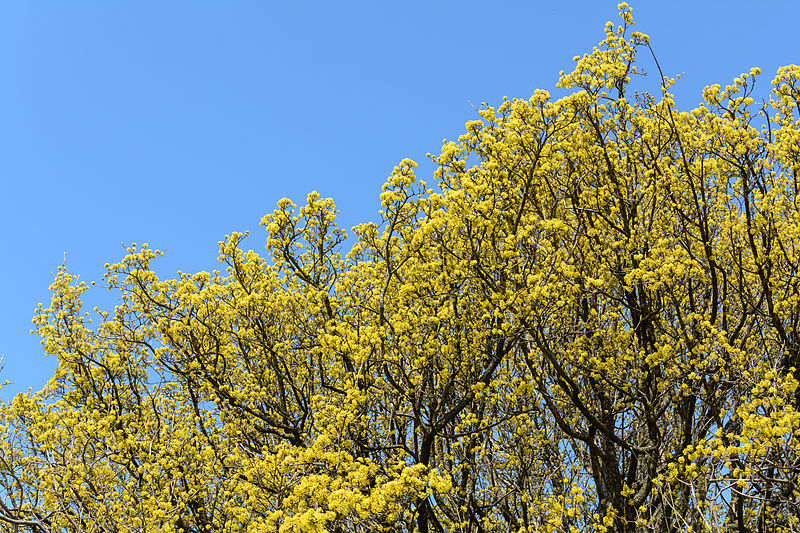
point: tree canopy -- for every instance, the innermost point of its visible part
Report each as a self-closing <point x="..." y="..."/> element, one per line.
<point x="589" y="323"/>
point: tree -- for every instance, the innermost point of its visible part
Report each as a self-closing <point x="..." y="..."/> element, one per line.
<point x="591" y="325"/>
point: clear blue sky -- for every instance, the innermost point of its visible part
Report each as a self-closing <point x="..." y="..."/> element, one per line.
<point x="175" y="123"/>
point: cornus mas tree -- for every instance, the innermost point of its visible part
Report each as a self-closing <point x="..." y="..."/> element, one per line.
<point x="592" y="325"/>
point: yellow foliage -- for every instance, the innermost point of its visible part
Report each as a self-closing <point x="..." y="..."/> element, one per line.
<point x="589" y="324"/>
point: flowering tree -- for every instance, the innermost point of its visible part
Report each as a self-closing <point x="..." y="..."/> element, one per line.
<point x="591" y="325"/>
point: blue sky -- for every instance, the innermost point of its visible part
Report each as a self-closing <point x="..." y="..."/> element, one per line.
<point x="175" y="123"/>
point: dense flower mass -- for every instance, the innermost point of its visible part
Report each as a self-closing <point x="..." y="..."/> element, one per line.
<point x="591" y="324"/>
